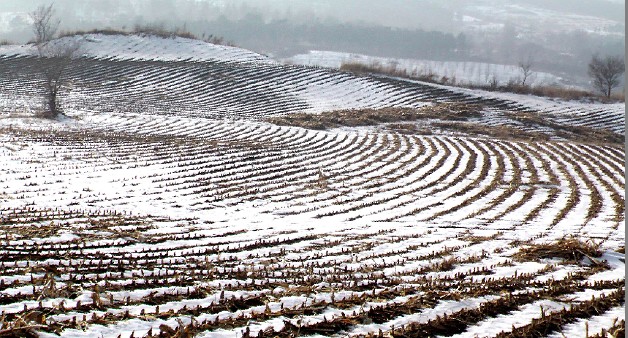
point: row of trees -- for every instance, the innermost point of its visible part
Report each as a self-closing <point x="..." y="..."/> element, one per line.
<point x="57" y="55"/>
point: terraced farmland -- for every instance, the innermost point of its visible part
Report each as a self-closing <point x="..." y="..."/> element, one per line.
<point x="146" y="75"/>
<point x="165" y="205"/>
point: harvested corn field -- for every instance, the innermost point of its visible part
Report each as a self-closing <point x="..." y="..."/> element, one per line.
<point x="195" y="211"/>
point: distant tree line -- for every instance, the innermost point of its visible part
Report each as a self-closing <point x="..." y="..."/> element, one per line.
<point x="285" y="38"/>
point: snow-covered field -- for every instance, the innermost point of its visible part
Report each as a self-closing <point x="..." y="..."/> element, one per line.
<point x="147" y="48"/>
<point x="182" y="76"/>
<point x="177" y="211"/>
<point x="494" y="14"/>
<point x="460" y="72"/>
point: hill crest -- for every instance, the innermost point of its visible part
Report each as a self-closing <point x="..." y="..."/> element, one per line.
<point x="147" y="47"/>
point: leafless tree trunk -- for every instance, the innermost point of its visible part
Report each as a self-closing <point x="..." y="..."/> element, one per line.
<point x="606" y="73"/>
<point x="55" y="56"/>
<point x="55" y="60"/>
<point x="526" y="70"/>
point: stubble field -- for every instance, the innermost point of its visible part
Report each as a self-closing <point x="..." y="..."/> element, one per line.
<point x="181" y="196"/>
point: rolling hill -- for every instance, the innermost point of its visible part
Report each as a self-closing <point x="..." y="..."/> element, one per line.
<point x="181" y="196"/>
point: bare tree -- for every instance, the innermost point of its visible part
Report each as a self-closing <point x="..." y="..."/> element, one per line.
<point x="606" y="72"/>
<point x="55" y="56"/>
<point x="493" y="83"/>
<point x="526" y="70"/>
<point x="45" y="25"/>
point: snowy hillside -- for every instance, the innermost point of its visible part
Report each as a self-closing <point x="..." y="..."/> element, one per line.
<point x="148" y="47"/>
<point x="460" y="72"/>
<point x="221" y="82"/>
